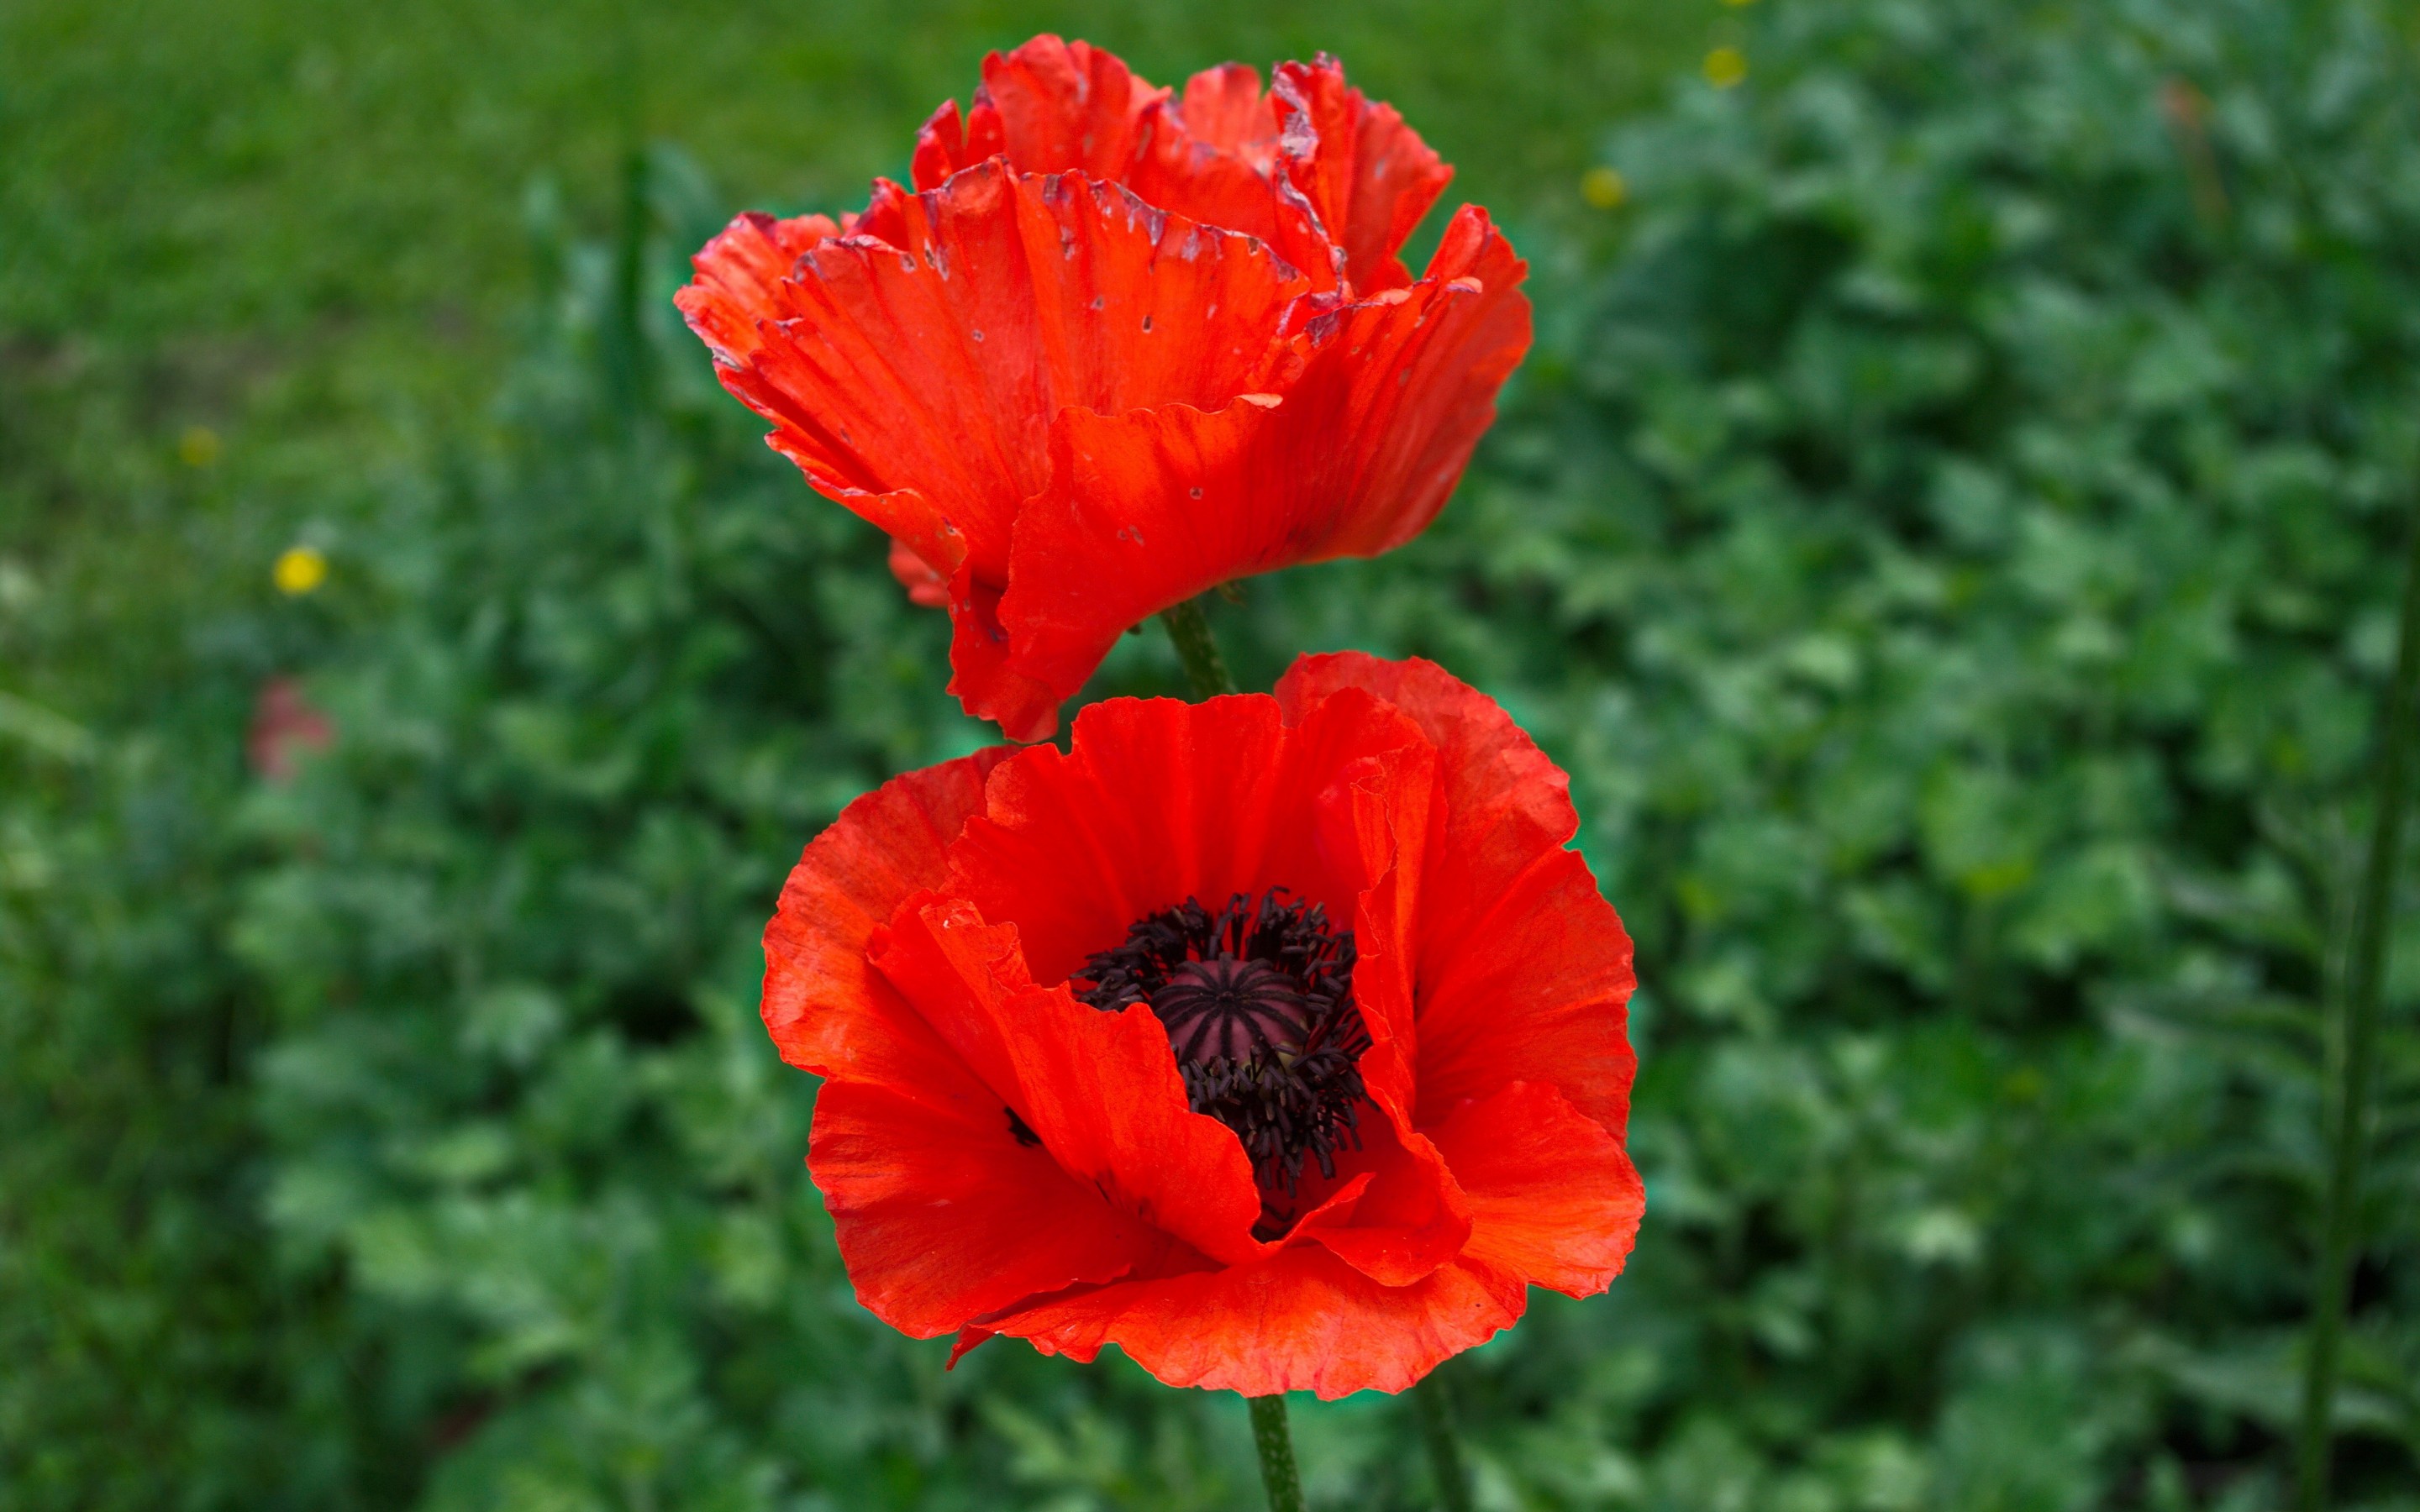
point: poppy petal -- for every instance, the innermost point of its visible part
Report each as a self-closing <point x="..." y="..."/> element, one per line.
<point x="1299" y="1321"/>
<point x="926" y="589"/>
<point x="942" y="147"/>
<point x="904" y="1117"/>
<point x="1062" y="107"/>
<point x="1074" y="847"/>
<point x="913" y="379"/>
<point x="933" y="363"/>
<point x="1100" y="1091"/>
<point x="826" y="1006"/>
<point x="1533" y="982"/>
<point x="970" y="1339"/>
<point x="740" y="274"/>
<point x="981" y="679"/>
<point x="1352" y="457"/>
<point x="1412" y="1217"/>
<point x="1181" y="174"/>
<point x="1156" y="801"/>
<point x="1335" y="181"/>
<point x="1368" y="175"/>
<point x="1504" y="800"/>
<point x="1053" y="106"/>
<point x="1537" y="991"/>
<point x="943" y="1215"/>
<point x="1224" y="108"/>
<point x="1553" y="1197"/>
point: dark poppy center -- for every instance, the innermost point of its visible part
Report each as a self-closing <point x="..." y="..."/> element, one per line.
<point x="1257" y="1002"/>
<point x="1229" y="1009"/>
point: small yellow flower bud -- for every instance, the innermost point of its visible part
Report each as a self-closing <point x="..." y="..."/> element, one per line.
<point x="1726" y="66"/>
<point x="299" y="570"/>
<point x="1604" y="188"/>
<point x="198" y="447"/>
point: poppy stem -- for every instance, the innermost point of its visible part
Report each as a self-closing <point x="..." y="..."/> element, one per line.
<point x="1445" y="1453"/>
<point x="1275" y="1442"/>
<point x="2352" y="1045"/>
<point x="1188" y="629"/>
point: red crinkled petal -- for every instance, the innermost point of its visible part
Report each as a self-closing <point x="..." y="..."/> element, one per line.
<point x="1368" y="175"/>
<point x="1156" y="801"/>
<point x="1101" y="1091"/>
<point x="1536" y="992"/>
<point x="1064" y="107"/>
<point x="933" y="363"/>
<point x="1352" y="457"/>
<point x="739" y="272"/>
<point x="980" y="678"/>
<point x="1553" y="1198"/>
<point x="903" y="1126"/>
<point x="926" y="589"/>
<point x="1235" y="176"/>
<point x="1335" y="181"/>
<point x="1300" y="1320"/>
<point x="1505" y="800"/>
<point x="1523" y="968"/>
<point x="942" y="1215"/>
<point x="914" y="379"/>
<point x="1224" y="108"/>
<point x="942" y="147"/>
<point x="1411" y="1217"/>
<point x="1052" y="106"/>
<point x="826" y="1006"/>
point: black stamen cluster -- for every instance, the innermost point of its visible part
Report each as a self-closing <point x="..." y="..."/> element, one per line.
<point x="1256" y="1001"/>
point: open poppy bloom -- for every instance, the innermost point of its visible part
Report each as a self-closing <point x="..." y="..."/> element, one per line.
<point x="1119" y="346"/>
<point x="1277" y="1041"/>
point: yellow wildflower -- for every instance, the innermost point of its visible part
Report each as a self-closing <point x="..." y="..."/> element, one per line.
<point x="299" y="570"/>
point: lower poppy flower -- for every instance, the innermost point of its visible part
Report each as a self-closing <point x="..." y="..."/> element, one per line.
<point x="1277" y="1041"/>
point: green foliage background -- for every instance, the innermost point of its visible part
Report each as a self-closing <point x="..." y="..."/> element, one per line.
<point x="1948" y="528"/>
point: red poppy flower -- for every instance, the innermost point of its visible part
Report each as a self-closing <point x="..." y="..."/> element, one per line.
<point x="1277" y="1041"/>
<point x="1118" y="346"/>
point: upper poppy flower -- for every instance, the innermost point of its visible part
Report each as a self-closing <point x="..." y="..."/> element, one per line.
<point x="1117" y="347"/>
<point x="1277" y="1041"/>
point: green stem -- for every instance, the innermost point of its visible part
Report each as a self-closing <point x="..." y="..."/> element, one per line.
<point x="1188" y="628"/>
<point x="1445" y="1453"/>
<point x="1275" y="1444"/>
<point x="2352" y="1042"/>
